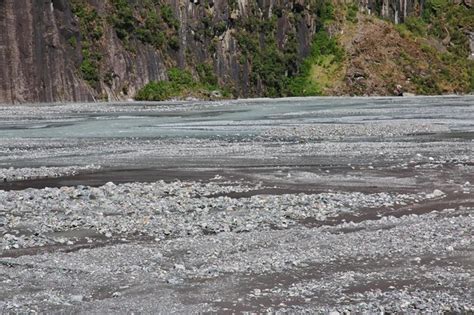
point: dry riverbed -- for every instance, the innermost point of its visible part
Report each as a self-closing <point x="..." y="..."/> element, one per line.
<point x="291" y="205"/>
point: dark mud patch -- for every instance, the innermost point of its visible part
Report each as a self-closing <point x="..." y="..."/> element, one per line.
<point x="450" y="201"/>
<point x="236" y="293"/>
<point x="117" y="176"/>
<point x="53" y="248"/>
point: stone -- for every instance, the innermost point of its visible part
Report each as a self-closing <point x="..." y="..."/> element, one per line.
<point x="76" y="298"/>
<point x="435" y="194"/>
<point x="179" y="267"/>
<point x="216" y="94"/>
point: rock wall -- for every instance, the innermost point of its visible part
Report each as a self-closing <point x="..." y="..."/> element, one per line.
<point x="35" y="65"/>
<point x="38" y="63"/>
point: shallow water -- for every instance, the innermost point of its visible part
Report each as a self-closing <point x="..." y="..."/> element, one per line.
<point x="232" y="118"/>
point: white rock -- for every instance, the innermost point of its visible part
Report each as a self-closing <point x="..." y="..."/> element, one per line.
<point x="435" y="194"/>
<point x="179" y="267"/>
<point x="77" y="298"/>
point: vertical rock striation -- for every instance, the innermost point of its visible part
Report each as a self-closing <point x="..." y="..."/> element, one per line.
<point x="35" y="64"/>
<point x="394" y="10"/>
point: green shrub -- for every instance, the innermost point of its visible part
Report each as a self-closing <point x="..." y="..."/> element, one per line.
<point x="324" y="45"/>
<point x="123" y="19"/>
<point x="416" y="25"/>
<point x="180" y="83"/>
<point x="219" y="28"/>
<point x="324" y="9"/>
<point x="434" y="8"/>
<point x="180" y="77"/>
<point x="168" y="16"/>
<point x="91" y="29"/>
<point x="351" y="14"/>
<point x="143" y="23"/>
<point x="155" y="91"/>
<point x="207" y="75"/>
<point x="89" y="71"/>
<point x="325" y="52"/>
<point x="173" y="43"/>
<point x="426" y="85"/>
<point x="72" y="41"/>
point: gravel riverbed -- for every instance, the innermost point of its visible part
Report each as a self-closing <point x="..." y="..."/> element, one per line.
<point x="266" y="206"/>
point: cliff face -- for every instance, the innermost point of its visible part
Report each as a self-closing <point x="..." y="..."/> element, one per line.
<point x="84" y="50"/>
<point x="38" y="63"/>
<point x="35" y="64"/>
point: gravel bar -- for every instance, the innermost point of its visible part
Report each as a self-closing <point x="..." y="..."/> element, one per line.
<point x="306" y="205"/>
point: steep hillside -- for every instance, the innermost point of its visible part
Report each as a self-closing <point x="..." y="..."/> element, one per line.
<point x="428" y="54"/>
<point x="85" y="50"/>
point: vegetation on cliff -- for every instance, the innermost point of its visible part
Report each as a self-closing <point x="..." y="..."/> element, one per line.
<point x="431" y="55"/>
<point x="182" y="84"/>
<point x="152" y="22"/>
<point x="91" y="30"/>
<point x="441" y="32"/>
<point x="324" y="63"/>
<point x="282" y="70"/>
<point x="320" y="68"/>
<point x="426" y="55"/>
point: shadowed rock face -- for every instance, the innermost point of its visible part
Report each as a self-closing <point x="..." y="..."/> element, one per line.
<point x="35" y="65"/>
<point x="38" y="63"/>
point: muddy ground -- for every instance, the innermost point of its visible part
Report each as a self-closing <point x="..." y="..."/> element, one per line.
<point x="311" y="205"/>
